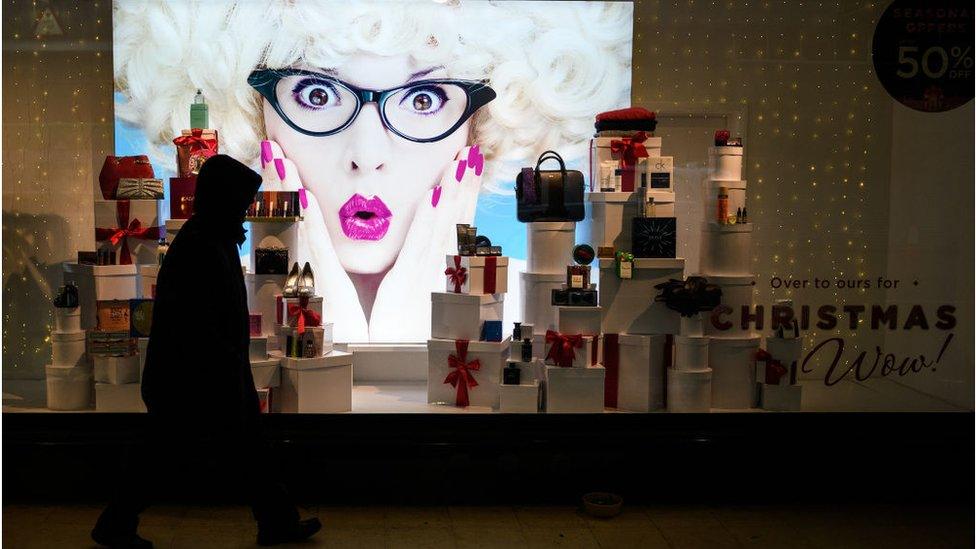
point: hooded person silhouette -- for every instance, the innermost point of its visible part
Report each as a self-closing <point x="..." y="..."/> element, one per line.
<point x="197" y="382"/>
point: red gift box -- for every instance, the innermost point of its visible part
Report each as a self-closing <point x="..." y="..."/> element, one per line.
<point x="193" y="148"/>
<point x="181" y="191"/>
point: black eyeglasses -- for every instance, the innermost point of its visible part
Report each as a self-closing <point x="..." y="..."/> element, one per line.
<point x="318" y="105"/>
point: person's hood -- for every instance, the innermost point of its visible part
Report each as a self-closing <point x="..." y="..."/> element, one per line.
<point x="224" y="191"/>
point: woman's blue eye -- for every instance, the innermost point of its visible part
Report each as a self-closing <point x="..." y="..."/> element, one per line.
<point x="424" y="100"/>
<point x="315" y="94"/>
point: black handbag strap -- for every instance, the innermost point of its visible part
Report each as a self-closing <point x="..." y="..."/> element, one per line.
<point x="551" y="155"/>
<point x="556" y="193"/>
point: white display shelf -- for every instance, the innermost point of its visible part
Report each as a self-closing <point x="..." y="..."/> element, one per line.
<point x="660" y="195"/>
<point x="713" y="227"/>
<point x="648" y="263"/>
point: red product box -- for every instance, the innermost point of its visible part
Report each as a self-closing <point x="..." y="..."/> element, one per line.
<point x="181" y="191"/>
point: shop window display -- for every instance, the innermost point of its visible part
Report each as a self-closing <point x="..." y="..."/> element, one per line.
<point x="532" y="223"/>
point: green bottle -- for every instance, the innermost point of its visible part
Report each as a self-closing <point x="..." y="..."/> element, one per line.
<point x="199" y="115"/>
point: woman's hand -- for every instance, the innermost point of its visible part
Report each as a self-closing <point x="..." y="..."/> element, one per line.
<point x="402" y="308"/>
<point x="340" y="300"/>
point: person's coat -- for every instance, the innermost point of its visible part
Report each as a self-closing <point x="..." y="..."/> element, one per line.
<point x="197" y="366"/>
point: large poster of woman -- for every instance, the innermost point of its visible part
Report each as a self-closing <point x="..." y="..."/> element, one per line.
<point x="396" y="120"/>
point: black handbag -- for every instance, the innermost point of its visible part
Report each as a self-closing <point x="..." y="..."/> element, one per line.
<point x="549" y="195"/>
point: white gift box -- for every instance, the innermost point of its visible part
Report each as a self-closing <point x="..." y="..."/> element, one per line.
<point x="100" y="283"/>
<point x="327" y="331"/>
<point x="656" y="173"/>
<point x="474" y="274"/>
<point x="689" y="391"/>
<point x="173" y="227"/>
<point x="519" y="399"/>
<point x="725" y="163"/>
<point x="147" y="280"/>
<point x="726" y="249"/>
<point x="267" y="372"/>
<point x="781" y="398"/>
<point x="314" y="304"/>
<point x="515" y="352"/>
<point x="116" y="370"/>
<point x="600" y="152"/>
<point x="733" y="365"/>
<point x="67" y="320"/>
<point x="641" y="372"/>
<point x="459" y="316"/>
<point x="146" y="212"/>
<point x="125" y="398"/>
<point x="316" y="385"/>
<point x="272" y="234"/>
<point x="737" y="292"/>
<point x="578" y="320"/>
<point x="629" y="306"/>
<point x="68" y="387"/>
<point x="550" y="246"/>
<point x="262" y="297"/>
<point x="583" y="356"/>
<point x="68" y="349"/>
<point x="491" y="358"/>
<point x="258" y="349"/>
<point x="537" y="306"/>
<point x="574" y="390"/>
<point x="608" y="222"/>
<point x="691" y="353"/>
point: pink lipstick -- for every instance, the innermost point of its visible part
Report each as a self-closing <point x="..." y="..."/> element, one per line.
<point x="364" y="219"/>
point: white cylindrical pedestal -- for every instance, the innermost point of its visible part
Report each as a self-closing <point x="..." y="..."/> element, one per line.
<point x="726" y="249"/>
<point x="273" y="234"/>
<point x="692" y="325"/>
<point x="725" y="163"/>
<point x="68" y="349"/>
<point x="690" y="353"/>
<point x="550" y="247"/>
<point x="68" y="388"/>
<point x="537" y="306"/>
<point x="262" y="293"/>
<point x="733" y="364"/>
<point x="689" y="391"/>
<point x="67" y="320"/>
<point x="736" y="292"/>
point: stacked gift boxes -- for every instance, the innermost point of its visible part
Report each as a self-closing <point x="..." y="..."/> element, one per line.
<point x="726" y="243"/>
<point x="467" y="349"/>
<point x="69" y="376"/>
<point x="632" y="222"/>
<point x="777" y="364"/>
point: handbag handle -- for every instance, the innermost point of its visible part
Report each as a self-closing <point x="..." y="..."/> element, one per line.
<point x="547" y="155"/>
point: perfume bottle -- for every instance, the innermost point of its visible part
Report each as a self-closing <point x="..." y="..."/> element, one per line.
<point x="526" y="350"/>
<point x="649" y="207"/>
<point x="517" y="332"/>
<point x="512" y="375"/>
<point x="738" y="216"/>
<point x="723" y="206"/>
<point x="161" y="248"/>
<point x="199" y="112"/>
<point x="745" y="215"/>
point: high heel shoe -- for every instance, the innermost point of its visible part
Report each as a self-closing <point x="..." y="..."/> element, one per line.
<point x="291" y="283"/>
<point x="306" y="283"/>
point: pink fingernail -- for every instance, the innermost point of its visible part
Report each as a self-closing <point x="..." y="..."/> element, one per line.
<point x="280" y="168"/>
<point x="476" y="160"/>
<point x="266" y="154"/>
<point x="436" y="197"/>
<point x="303" y="198"/>
<point x="459" y="174"/>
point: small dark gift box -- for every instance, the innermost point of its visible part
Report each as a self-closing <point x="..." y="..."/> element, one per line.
<point x="575" y="297"/>
<point x="271" y="261"/>
<point x="654" y="236"/>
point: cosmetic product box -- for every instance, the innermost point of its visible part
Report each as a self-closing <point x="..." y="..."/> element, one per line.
<point x="491" y="330"/>
<point x="490" y="357"/>
<point x="181" y="193"/>
<point x="113" y="315"/>
<point x="519" y="399"/>
<point x="601" y="151"/>
<point x="321" y="336"/>
<point x="575" y="297"/>
<point x="316" y="385"/>
<point x="476" y="274"/>
<point x="574" y="390"/>
<point x="654" y="237"/>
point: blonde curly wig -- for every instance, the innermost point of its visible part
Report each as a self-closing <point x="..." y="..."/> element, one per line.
<point x="553" y="64"/>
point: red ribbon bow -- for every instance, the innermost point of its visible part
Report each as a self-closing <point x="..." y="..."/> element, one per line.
<point x="126" y="229"/>
<point x="561" y="349"/>
<point x="628" y="150"/>
<point x="460" y="376"/>
<point x="774" y="368"/>
<point x="305" y="316"/>
<point x="197" y="142"/>
<point x="457" y="274"/>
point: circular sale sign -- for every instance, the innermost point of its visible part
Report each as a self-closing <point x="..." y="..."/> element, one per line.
<point x="923" y="53"/>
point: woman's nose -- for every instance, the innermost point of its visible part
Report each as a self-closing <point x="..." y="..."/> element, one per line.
<point x="369" y="142"/>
